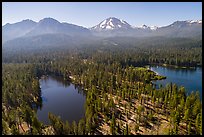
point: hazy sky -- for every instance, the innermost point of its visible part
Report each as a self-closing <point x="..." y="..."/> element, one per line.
<point x="89" y="14"/>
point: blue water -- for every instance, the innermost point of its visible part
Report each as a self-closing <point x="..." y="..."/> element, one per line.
<point x="62" y="99"/>
<point x="191" y="79"/>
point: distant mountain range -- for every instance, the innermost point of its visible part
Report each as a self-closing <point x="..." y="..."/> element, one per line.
<point x="117" y="27"/>
<point x="28" y="28"/>
<point x="49" y="29"/>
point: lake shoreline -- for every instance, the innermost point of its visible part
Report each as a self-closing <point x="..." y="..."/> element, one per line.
<point x="175" y="66"/>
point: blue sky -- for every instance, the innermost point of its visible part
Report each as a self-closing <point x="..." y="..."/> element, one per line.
<point x="88" y="14"/>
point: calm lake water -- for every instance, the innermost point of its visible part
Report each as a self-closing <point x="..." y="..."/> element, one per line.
<point x="191" y="79"/>
<point x="62" y="99"/>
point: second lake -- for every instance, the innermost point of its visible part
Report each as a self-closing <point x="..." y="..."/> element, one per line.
<point x="191" y="79"/>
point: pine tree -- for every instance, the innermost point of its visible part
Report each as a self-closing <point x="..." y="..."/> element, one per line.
<point x="188" y="103"/>
<point x="14" y="130"/>
<point x="186" y="117"/>
<point x="74" y="128"/>
<point x="201" y="124"/>
<point x="66" y="128"/>
<point x="56" y="123"/>
<point x="88" y="125"/>
<point x="198" y="123"/>
<point x="36" y="125"/>
<point x="196" y="108"/>
<point x="113" y="125"/>
<point x="126" y="131"/>
<point x="5" y="127"/>
<point x="189" y="128"/>
<point x="81" y="129"/>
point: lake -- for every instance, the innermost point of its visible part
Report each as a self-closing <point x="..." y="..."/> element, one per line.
<point x="191" y="79"/>
<point x="62" y="99"/>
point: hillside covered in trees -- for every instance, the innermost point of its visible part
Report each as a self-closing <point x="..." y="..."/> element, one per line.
<point x="120" y="97"/>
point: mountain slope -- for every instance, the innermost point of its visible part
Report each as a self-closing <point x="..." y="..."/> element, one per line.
<point x="28" y="28"/>
<point x="51" y="26"/>
<point x="181" y="29"/>
<point x="11" y="31"/>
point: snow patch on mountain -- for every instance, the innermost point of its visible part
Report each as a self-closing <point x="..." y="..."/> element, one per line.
<point x="154" y="27"/>
<point x="194" y="21"/>
<point x="148" y="27"/>
<point x="102" y="25"/>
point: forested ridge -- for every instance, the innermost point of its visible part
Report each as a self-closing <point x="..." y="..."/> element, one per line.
<point x="120" y="97"/>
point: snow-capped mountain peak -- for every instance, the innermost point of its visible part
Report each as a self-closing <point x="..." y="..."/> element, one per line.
<point x="112" y="23"/>
<point x="154" y="27"/>
<point x="144" y="27"/>
<point x="194" y="21"/>
<point x="181" y="24"/>
<point x="148" y="27"/>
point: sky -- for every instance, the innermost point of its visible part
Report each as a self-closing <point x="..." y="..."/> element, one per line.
<point x="89" y="14"/>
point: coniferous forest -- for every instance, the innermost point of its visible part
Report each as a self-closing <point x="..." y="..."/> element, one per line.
<point x="120" y="96"/>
